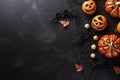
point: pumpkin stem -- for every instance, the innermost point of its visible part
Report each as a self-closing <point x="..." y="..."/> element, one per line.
<point x="111" y="45"/>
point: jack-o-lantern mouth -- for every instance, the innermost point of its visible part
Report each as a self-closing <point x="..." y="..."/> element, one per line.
<point x="91" y="10"/>
<point x="98" y="27"/>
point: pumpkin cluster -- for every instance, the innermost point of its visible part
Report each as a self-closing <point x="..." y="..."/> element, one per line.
<point x="109" y="45"/>
<point x="113" y="8"/>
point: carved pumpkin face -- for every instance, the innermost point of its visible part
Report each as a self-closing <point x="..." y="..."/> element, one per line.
<point x="99" y="22"/>
<point x="109" y="45"/>
<point x="89" y="7"/>
<point x="113" y="8"/>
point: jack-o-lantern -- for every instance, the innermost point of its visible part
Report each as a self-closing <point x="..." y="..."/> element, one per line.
<point x="99" y="22"/>
<point x="109" y="45"/>
<point x="113" y="8"/>
<point x="89" y="7"/>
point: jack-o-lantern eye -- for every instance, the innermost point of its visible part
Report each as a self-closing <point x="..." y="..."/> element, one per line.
<point x="112" y="7"/>
<point x="95" y="20"/>
<point x="89" y="7"/>
<point x="100" y="18"/>
<point x="91" y="3"/>
<point x="86" y="5"/>
<point x="99" y="22"/>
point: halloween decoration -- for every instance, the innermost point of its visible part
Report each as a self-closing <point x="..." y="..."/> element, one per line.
<point x="93" y="46"/>
<point x="116" y="69"/>
<point x="113" y="8"/>
<point x="87" y="26"/>
<point x="109" y="45"/>
<point x="62" y="15"/>
<point x="87" y="34"/>
<point x="78" y="68"/>
<point x="95" y="37"/>
<point x="99" y="22"/>
<point x="118" y="27"/>
<point x="64" y="23"/>
<point x="92" y="55"/>
<point x="84" y="36"/>
<point x="89" y="7"/>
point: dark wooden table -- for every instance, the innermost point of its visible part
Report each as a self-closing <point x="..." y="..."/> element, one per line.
<point x="32" y="47"/>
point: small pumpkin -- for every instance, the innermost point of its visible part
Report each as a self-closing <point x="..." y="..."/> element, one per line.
<point x="89" y="7"/>
<point x="109" y="45"/>
<point x="99" y="22"/>
<point x="118" y="27"/>
<point x="113" y="8"/>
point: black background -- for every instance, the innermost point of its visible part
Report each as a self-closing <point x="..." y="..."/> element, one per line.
<point x="32" y="47"/>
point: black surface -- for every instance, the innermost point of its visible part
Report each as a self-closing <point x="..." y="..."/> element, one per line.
<point x="32" y="47"/>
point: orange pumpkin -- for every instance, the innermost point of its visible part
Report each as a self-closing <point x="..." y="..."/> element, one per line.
<point x="113" y="8"/>
<point x="89" y="7"/>
<point x="109" y="45"/>
<point x="99" y="22"/>
<point x="118" y="27"/>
